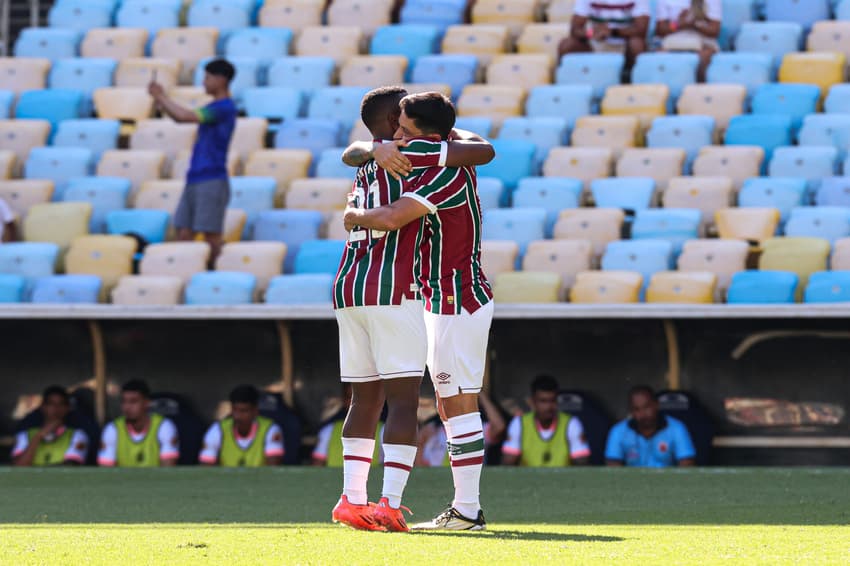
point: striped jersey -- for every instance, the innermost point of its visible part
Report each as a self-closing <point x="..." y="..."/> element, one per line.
<point x="377" y="268"/>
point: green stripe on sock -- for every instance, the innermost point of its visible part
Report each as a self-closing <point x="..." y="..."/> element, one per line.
<point x="460" y="449"/>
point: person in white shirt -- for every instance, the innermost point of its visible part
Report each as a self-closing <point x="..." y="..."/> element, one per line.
<point x="690" y="25"/>
<point x="610" y="25"/>
<point x="54" y="443"/>
<point x="7" y="223"/>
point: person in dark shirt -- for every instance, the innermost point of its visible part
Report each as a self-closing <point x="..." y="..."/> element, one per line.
<point x="204" y="202"/>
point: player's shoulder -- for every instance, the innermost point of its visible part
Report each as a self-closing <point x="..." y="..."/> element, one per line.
<point x="621" y="428"/>
<point x="422" y="145"/>
<point x="675" y="425"/>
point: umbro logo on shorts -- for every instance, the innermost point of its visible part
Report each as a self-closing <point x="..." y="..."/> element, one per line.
<point x="443" y="377"/>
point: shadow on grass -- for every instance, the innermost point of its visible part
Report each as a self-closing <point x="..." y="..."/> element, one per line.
<point x="520" y="536"/>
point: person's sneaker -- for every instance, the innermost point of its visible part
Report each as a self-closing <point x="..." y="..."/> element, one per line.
<point x="389" y="518"/>
<point x="361" y="517"/>
<point x="452" y="520"/>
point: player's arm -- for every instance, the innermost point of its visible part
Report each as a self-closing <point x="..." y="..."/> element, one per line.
<point x="320" y="452"/>
<point x="169" y="444"/>
<point x="683" y="448"/>
<point x="687" y="463"/>
<point x="512" y="448"/>
<point x="385" y="218"/>
<point x="25" y="448"/>
<point x="211" y="445"/>
<point x="107" y="456"/>
<point x="76" y="453"/>
<point x="9" y="233"/>
<point x="614" y="456"/>
<point x="494" y="417"/>
<point x="464" y="149"/>
<point x="177" y="112"/>
<point x="274" y="450"/>
<point x="579" y="448"/>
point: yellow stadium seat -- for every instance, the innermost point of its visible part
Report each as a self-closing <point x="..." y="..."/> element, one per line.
<point x="248" y="137"/>
<point x="368" y="15"/>
<point x="831" y="36"/>
<point x="606" y="287"/>
<point x="125" y="104"/>
<point x="160" y="194"/>
<point x="359" y="132"/>
<point x="803" y="256"/>
<point x="542" y="38"/>
<point x="567" y="258"/>
<point x="660" y="163"/>
<point x="498" y="256"/>
<point x="164" y="135"/>
<point x="261" y="259"/>
<point x="527" y="287"/>
<point x="706" y="194"/>
<point x="190" y="45"/>
<point x="108" y="257"/>
<point x="20" y="136"/>
<point x="584" y="163"/>
<point x="601" y="226"/>
<point x="7" y="163"/>
<point x="325" y="195"/>
<point x="723" y="258"/>
<point x="560" y="11"/>
<point x="139" y="290"/>
<point x="234" y="225"/>
<point x="338" y="42"/>
<point x="754" y="225"/>
<point x="417" y="88"/>
<point x="23" y="194"/>
<point x="693" y="287"/>
<point x="614" y="132"/>
<point x="373" y="70"/>
<point x="23" y="73"/>
<point x="334" y="228"/>
<point x="293" y="14"/>
<point x="491" y="101"/>
<point x="645" y="101"/>
<point x="180" y="165"/>
<point x="285" y="165"/>
<point x="138" y="73"/>
<point x="821" y="69"/>
<point x="483" y="41"/>
<point x="190" y="96"/>
<point x="114" y="43"/>
<point x="721" y="101"/>
<point x="137" y="165"/>
<point x="515" y="14"/>
<point x="176" y="259"/>
<point x="527" y="70"/>
<point x="738" y="162"/>
<point x="57" y="222"/>
<point x="841" y="255"/>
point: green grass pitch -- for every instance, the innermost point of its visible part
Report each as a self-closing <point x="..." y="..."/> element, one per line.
<point x="281" y="516"/>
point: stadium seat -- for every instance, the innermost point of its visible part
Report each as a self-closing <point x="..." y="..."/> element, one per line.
<point x="838" y="99"/>
<point x="830" y="36"/>
<point x="821" y="69"/>
<point x="803" y="13"/>
<point x="226" y="16"/>
<point x="645" y="102"/>
<point x="373" y="71"/>
<point x="20" y="137"/>
<point x="627" y="193"/>
<point x="162" y="194"/>
<point x="800" y="255"/>
<point x="494" y="102"/>
<point x="340" y="103"/>
<point x="545" y="133"/>
<point x="781" y="193"/>
<point x="706" y="194"/>
<point x="480" y="125"/>
<point x="542" y="38"/>
<point x="719" y="101"/>
<point x="284" y="165"/>
<point x="559" y="10"/>
<point x="498" y="256"/>
<point x="164" y="135"/>
<point x="152" y="16"/>
<point x="833" y="191"/>
<point x="330" y="165"/>
<point x="57" y="222"/>
<point x="66" y="289"/>
<point x="681" y="287"/>
<point x="676" y="70"/>
<point x="737" y="163"/>
<point x="292" y="227"/>
<point x="95" y="135"/>
<point x="841" y="254"/>
<point x="774" y="38"/>
<point x="293" y="14"/>
<point x="319" y="256"/>
<point x="138" y="72"/>
<point x="264" y="260"/>
<point x="568" y="102"/>
<point x="152" y="225"/>
<point x="235" y="221"/>
<point x="646" y="257"/>
<point x="751" y="224"/>
<point x="368" y="15"/>
<point x="189" y="45"/>
<point x="29" y="260"/>
<point x="827" y="222"/>
<point x="440" y="13"/>
<point x="108" y="257"/>
<point x="308" y="73"/>
<point x="842" y="10"/>
<point x="457" y="71"/>
<point x="723" y="258"/>
<point x="491" y="191"/>
<point x="23" y="194"/>
<point x="749" y="70"/>
<point x="221" y="288"/>
<point x="137" y="165"/>
<point x="794" y="100"/>
<point x="675" y="225"/>
<point x="810" y="162"/>
<point x="138" y="290"/>
<point x="827" y="130"/>
<point x="515" y="159"/>
<point x="79" y="16"/>
<point x="7" y="163"/>
<point x="338" y="42"/>
<point x="175" y="259"/>
<point x="767" y="131"/>
<point x="735" y="14"/>
<point x="305" y="288"/>
<point x="516" y="14"/>
<point x="598" y="225"/>
<point x="527" y="287"/>
<point x="551" y="193"/>
<point x="7" y="100"/>
<point x="105" y="194"/>
<point x="247" y="76"/>
<point x="614" y="132"/>
<point x="567" y="258"/>
<point x="58" y="164"/>
<point x="83" y="75"/>
<point x="828" y="287"/>
<point x="521" y="225"/>
<point x="253" y="195"/>
<point x="410" y="40"/>
<point x="264" y="44"/>
<point x="660" y="164"/>
<point x="52" y="105"/>
<point x="599" y="70"/>
<point x="606" y="287"/>
<point x="527" y="71"/>
<point x="47" y="43"/>
<point x="687" y="133"/>
<point x="324" y="195"/>
<point x="114" y="43"/>
<point x="125" y="104"/>
<point x="248" y="136"/>
<point x="482" y="41"/>
<point x="12" y="288"/>
<point x="23" y="73"/>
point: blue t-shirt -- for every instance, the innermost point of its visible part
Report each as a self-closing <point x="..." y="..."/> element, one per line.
<point x="670" y="444"/>
<point x="209" y="157"/>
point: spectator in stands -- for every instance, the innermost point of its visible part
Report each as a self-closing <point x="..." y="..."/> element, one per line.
<point x="138" y="438"/>
<point x="232" y="442"/>
<point x="545" y="436"/>
<point x="328" y="450"/>
<point x="54" y="443"/>
<point x="7" y="223"/>
<point x="204" y="202"/>
<point x="690" y="25"/>
<point x="615" y="25"/>
<point x="649" y="438"/>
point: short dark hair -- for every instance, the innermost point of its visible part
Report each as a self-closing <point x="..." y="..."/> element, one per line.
<point x="545" y="383"/>
<point x="638" y="389"/>
<point x="221" y="68"/>
<point x="379" y="103"/>
<point x="58" y="391"/>
<point x="245" y="394"/>
<point x="432" y="112"/>
<point x="137" y="386"/>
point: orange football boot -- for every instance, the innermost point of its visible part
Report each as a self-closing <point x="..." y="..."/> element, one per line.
<point x="360" y="517"/>
<point x="389" y="518"/>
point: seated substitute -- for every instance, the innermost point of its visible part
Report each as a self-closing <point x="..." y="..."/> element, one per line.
<point x="690" y="25"/>
<point x="614" y="26"/>
<point x="328" y="450"/>
<point x="54" y="443"/>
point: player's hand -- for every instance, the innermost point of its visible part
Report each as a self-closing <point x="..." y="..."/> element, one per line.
<point x="349" y="217"/>
<point x="601" y="32"/>
<point x="49" y="429"/>
<point x="155" y="90"/>
<point x="389" y="158"/>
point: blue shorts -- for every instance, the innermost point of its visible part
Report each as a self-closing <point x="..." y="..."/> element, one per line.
<point x="203" y="206"/>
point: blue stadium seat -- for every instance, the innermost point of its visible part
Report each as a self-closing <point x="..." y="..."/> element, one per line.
<point x="794" y="100"/>
<point x="319" y="256"/>
<point x="690" y="133"/>
<point x="150" y="224"/>
<point x="828" y="287"/>
<point x="782" y="193"/>
<point x="676" y="70"/>
<point x="646" y="257"/>
<point x="762" y="287"/>
<point x="247" y="75"/>
<point x="411" y="40"/>
<point x="305" y="288"/>
<point x="514" y="160"/>
<point x="48" y="43"/>
<point x="569" y="102"/>
<point x="842" y="10"/>
<point x="629" y="193"/>
<point x="545" y="133"/>
<point x="273" y="103"/>
<point x="827" y="129"/>
<point x="805" y="13"/>
<point x="457" y="71"/>
<point x="105" y="194"/>
<point x="96" y="135"/>
<point x="771" y="38"/>
<point x="330" y="164"/>
<point x="599" y="70"/>
<point x="306" y="73"/>
<point x="80" y="15"/>
<point x="59" y="164"/>
<point x="66" y="289"/>
<point x="833" y="191"/>
<point x="29" y="260"/>
<point x="439" y="13"/>
<point x="476" y="124"/>
<point x="12" y="288"/>
<point x="520" y="225"/>
<point x="340" y="103"/>
<point x="265" y="44"/>
<point x="808" y="162"/>
<point x="735" y="13"/>
<point x="226" y="15"/>
<point x="674" y="225"/>
<point x="82" y="74"/>
<point x="7" y="97"/>
<point x="253" y="195"/>
<point x="553" y="194"/>
<point x="838" y="100"/>
<point x="490" y="192"/>
<point x="153" y="16"/>
<point x="766" y="131"/>
<point x="53" y="105"/>
<point x="315" y="134"/>
<point x="827" y="222"/>
<point x="748" y="69"/>
<point x="292" y="227"/>
<point x="221" y="288"/>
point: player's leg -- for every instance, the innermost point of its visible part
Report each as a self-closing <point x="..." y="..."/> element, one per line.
<point x="183" y="215"/>
<point x="215" y="241"/>
<point x="400" y="436"/>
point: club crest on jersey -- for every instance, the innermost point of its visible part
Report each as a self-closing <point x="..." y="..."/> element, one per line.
<point x="662" y="447"/>
<point x="443" y="377"/>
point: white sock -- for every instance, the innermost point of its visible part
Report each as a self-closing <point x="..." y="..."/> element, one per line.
<point x="357" y="459"/>
<point x="466" y="450"/>
<point x="398" y="461"/>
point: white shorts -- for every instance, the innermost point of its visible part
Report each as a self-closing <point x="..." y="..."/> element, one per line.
<point x="381" y="342"/>
<point x="457" y="350"/>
